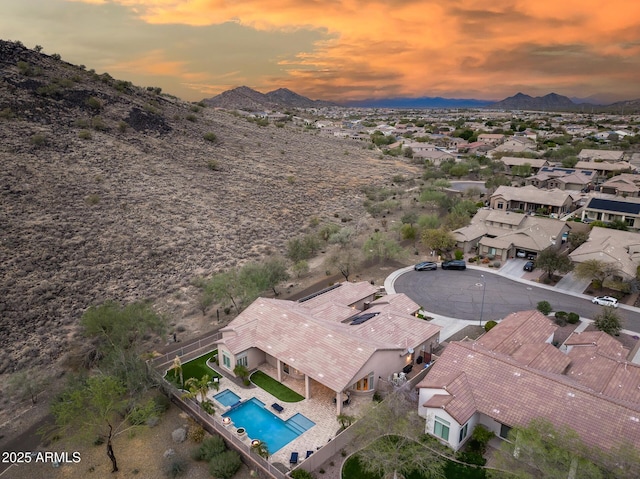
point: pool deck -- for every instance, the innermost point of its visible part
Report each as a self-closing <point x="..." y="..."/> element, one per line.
<point x="319" y="408"/>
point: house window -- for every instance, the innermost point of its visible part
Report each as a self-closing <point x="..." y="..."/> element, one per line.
<point x="463" y="432"/>
<point x="242" y="360"/>
<point x="504" y="431"/>
<point x="226" y="361"/>
<point x="500" y="206"/>
<point x="366" y="383"/>
<point x="441" y="428"/>
<point x="285" y="368"/>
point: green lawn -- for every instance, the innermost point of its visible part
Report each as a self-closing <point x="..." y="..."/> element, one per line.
<point x="274" y="387"/>
<point x="453" y="470"/>
<point x="196" y="368"/>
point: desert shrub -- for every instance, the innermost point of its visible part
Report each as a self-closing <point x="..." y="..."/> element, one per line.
<point x="7" y="113"/>
<point x="301" y="474"/>
<point x="176" y="468"/>
<point x="561" y="318"/>
<point x="192" y="118"/>
<point x="122" y="126"/>
<point x="196" y="433"/>
<point x="39" y="139"/>
<point x="92" y="199"/>
<point x="544" y="307"/>
<point x="211" y="447"/>
<point x="480" y="437"/>
<point x="84" y="135"/>
<point x="490" y="325"/>
<point x="458" y="254"/>
<point x="496" y="264"/>
<point x="208" y="407"/>
<point x="573" y="318"/>
<point x="210" y="137"/>
<point x="486" y="260"/>
<point x="52" y="90"/>
<point x="56" y="56"/>
<point x="81" y="123"/>
<point x="213" y="165"/>
<point x="93" y="103"/>
<point x="225" y="465"/>
<point x="98" y="124"/>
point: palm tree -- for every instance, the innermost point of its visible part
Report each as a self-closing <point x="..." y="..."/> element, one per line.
<point x="177" y="369"/>
<point x="200" y="387"/>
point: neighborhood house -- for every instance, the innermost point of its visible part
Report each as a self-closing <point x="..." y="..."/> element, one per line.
<point x="344" y="338"/>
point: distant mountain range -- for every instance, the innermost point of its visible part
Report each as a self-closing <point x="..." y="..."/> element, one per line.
<point x="421" y="102"/>
<point x="245" y="98"/>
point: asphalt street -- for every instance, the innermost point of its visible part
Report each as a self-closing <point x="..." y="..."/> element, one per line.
<point x="471" y="296"/>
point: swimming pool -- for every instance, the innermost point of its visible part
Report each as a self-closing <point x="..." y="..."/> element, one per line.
<point x="227" y="398"/>
<point x="260" y="423"/>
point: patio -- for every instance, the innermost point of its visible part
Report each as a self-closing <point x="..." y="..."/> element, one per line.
<point x="319" y="408"/>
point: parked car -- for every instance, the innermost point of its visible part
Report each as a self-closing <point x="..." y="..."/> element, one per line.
<point x="521" y="254"/>
<point x="605" y="301"/>
<point x="529" y="266"/>
<point x="425" y="266"/>
<point x="454" y="264"/>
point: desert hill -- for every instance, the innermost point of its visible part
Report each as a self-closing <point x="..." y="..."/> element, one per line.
<point x="113" y="191"/>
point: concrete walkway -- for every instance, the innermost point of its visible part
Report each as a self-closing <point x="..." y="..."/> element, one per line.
<point x="570" y="283"/>
<point x="451" y="326"/>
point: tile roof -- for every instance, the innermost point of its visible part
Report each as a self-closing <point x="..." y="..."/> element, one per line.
<point x="611" y="246"/>
<point x="531" y="194"/>
<point x="316" y="342"/>
<point x="514" y="394"/>
<point x="344" y="294"/>
<point x="613" y="155"/>
<point x="542" y="356"/>
<point x="517" y="329"/>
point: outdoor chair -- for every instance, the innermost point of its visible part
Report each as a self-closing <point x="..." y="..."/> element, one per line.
<point x="294" y="458"/>
<point x="309" y="453"/>
<point x="277" y="407"/>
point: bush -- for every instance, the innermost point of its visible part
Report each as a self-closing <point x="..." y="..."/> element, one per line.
<point x="480" y="437"/>
<point x="561" y="318"/>
<point x="496" y="264"/>
<point x="210" y="137"/>
<point x="458" y="254"/>
<point x="39" y="140"/>
<point x="301" y="474"/>
<point x="196" y="433"/>
<point x="490" y="325"/>
<point x="544" y="307"/>
<point x="472" y="457"/>
<point x="211" y="447"/>
<point x="84" y="135"/>
<point x="573" y="318"/>
<point x="93" y="103"/>
<point x="225" y="465"/>
<point x="176" y="468"/>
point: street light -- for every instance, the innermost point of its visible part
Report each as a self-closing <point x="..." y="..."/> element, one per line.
<point x="484" y="288"/>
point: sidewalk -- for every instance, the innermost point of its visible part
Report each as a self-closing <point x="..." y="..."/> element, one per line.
<point x="451" y="326"/>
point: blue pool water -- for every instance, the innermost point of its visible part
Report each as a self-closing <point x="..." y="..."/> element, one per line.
<point x="261" y="423"/>
<point x="227" y="398"/>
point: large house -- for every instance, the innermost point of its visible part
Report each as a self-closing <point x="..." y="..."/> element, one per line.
<point x="534" y="163"/>
<point x="625" y="184"/>
<point x="503" y="234"/>
<point x="343" y="338"/>
<point x="600" y="155"/>
<point x="561" y="178"/>
<point x="620" y="248"/>
<point x="513" y="374"/>
<point x="530" y="199"/>
<point x="608" y="209"/>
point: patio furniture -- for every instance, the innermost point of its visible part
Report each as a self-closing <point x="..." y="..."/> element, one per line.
<point x="308" y="453"/>
<point x="294" y="458"/>
<point x="407" y="368"/>
<point x="277" y="407"/>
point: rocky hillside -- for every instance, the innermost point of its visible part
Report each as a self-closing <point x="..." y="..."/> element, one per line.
<point x="112" y="191"/>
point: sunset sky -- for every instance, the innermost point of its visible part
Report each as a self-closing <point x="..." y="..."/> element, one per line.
<point x="345" y="49"/>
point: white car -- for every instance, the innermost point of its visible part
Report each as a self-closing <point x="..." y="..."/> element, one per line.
<point x="605" y="301"/>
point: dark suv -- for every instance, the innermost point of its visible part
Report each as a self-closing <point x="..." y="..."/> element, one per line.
<point x="529" y="266"/>
<point x="454" y="264"/>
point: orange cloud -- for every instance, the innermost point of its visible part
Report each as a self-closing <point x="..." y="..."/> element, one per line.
<point x="428" y="47"/>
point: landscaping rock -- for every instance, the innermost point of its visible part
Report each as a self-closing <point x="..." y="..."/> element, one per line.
<point x="179" y="435"/>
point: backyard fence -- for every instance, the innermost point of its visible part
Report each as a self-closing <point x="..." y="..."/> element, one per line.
<point x="213" y="425"/>
<point x="185" y="352"/>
